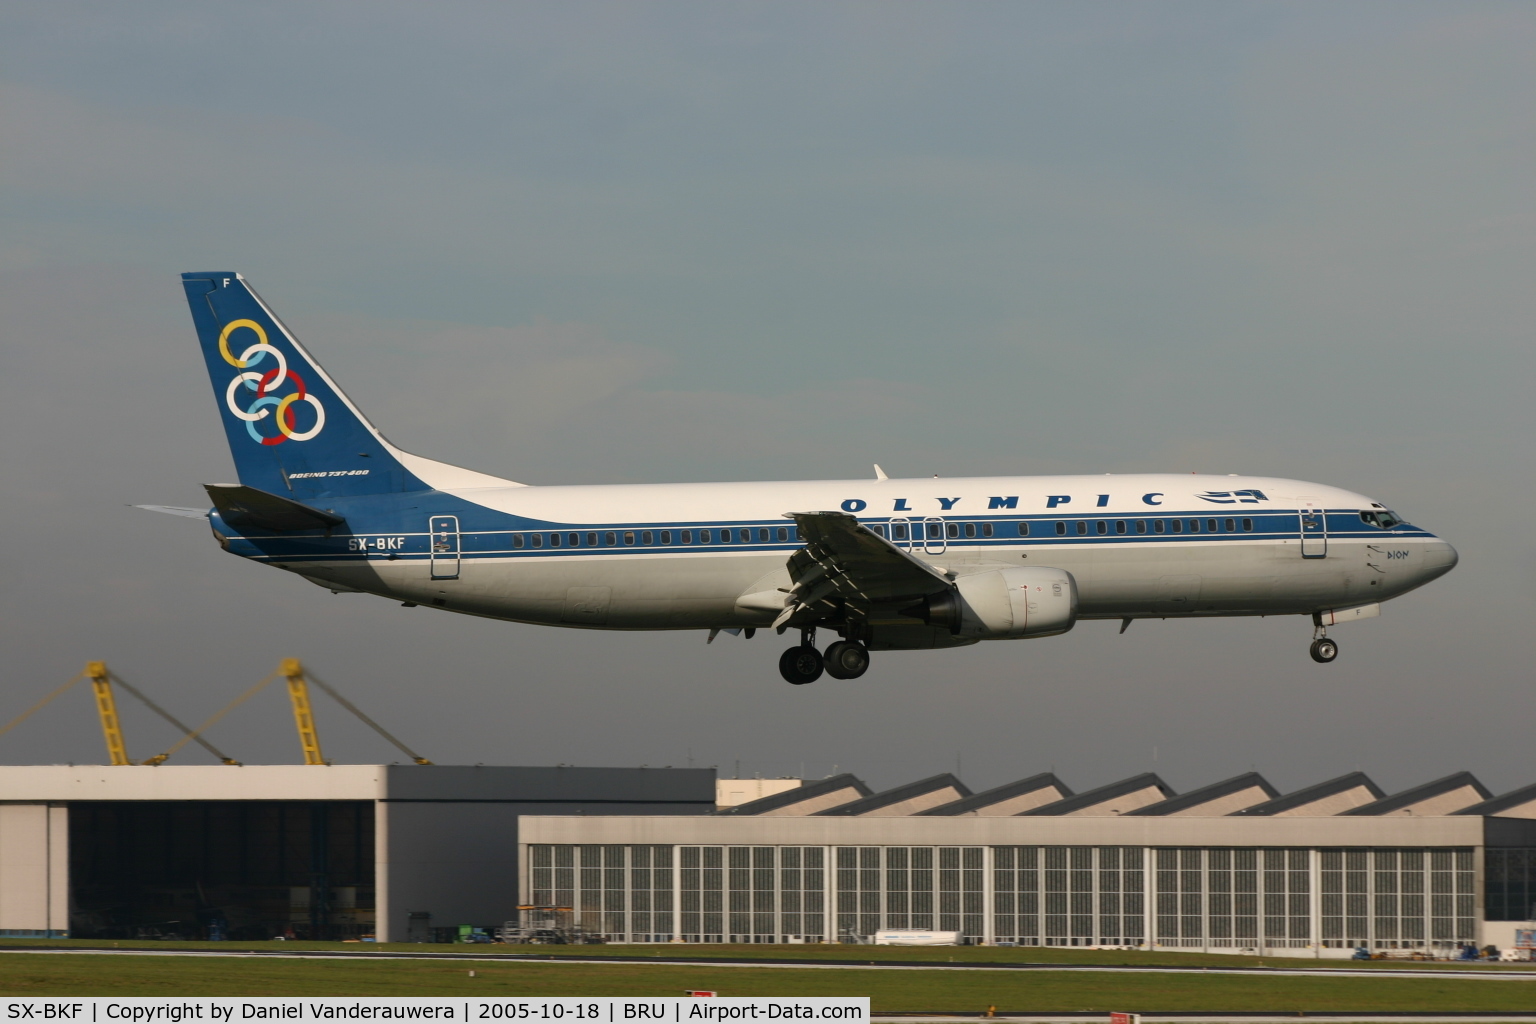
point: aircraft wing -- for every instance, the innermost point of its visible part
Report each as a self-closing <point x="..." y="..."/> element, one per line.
<point x="843" y="559"/>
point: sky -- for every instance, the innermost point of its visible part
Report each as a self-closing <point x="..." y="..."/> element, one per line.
<point x="581" y="242"/>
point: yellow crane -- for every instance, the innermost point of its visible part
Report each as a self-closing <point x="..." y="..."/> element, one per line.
<point x="102" y="678"/>
<point x="291" y="669"/>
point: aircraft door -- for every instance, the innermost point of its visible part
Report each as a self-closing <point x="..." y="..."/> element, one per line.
<point x="1314" y="529"/>
<point x="443" y="536"/>
<point x="934" y="541"/>
<point x="901" y="533"/>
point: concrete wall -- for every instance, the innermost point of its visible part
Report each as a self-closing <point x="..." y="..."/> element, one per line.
<point x="34" y="870"/>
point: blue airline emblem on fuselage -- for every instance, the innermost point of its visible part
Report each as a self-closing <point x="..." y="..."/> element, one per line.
<point x="1248" y="496"/>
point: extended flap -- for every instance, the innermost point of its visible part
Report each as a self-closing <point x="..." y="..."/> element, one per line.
<point x="247" y="508"/>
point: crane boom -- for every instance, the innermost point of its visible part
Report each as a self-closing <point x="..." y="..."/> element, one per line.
<point x="303" y="712"/>
<point x="106" y="708"/>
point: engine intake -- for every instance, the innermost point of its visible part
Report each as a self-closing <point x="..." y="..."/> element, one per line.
<point x="1003" y="604"/>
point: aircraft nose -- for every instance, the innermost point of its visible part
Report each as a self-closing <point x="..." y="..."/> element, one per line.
<point x="1439" y="558"/>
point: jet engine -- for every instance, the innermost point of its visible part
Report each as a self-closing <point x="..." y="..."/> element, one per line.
<point x="1002" y="604"/>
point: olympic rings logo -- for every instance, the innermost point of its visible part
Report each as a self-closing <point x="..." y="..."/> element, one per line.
<point x="263" y="384"/>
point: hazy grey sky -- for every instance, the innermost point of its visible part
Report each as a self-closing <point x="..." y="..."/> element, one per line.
<point x="593" y="242"/>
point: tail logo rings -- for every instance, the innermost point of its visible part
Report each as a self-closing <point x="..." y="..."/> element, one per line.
<point x="264" y="385"/>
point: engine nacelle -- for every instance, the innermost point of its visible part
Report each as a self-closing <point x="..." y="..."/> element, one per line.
<point x="1004" y="603"/>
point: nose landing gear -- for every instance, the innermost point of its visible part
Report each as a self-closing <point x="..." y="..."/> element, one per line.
<point x="1323" y="650"/>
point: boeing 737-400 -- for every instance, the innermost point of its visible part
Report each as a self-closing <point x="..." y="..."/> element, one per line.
<point x="886" y="564"/>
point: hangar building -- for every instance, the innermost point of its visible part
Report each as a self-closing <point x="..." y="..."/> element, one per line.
<point x="1232" y="867"/>
<point x="309" y="851"/>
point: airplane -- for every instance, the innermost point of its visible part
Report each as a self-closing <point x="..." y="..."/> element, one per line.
<point x="885" y="564"/>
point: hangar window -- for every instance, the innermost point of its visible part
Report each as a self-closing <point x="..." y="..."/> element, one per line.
<point x="1120" y="526"/>
<point x="517" y="540"/>
<point x="610" y="539"/>
<point x="1141" y="526"/>
<point x="591" y="540"/>
<point x="783" y="532"/>
<point x="1247" y="525"/>
<point x="1231" y="526"/>
<point x="1103" y="527"/>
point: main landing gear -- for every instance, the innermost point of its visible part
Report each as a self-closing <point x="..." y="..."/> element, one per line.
<point x="845" y="659"/>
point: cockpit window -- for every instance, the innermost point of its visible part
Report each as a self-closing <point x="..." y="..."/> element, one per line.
<point x="1381" y="518"/>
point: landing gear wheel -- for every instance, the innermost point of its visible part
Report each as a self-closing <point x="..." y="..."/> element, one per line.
<point x="800" y="665"/>
<point x="847" y="659"/>
<point x="1324" y="650"/>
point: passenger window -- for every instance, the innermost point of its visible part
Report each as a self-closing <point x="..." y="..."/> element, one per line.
<point x="1082" y="528"/>
<point x="1178" y="525"/>
<point x="1157" y="526"/>
<point x="1061" y="529"/>
<point x="537" y="539"/>
<point x="1231" y="526"/>
<point x="666" y="536"/>
<point x="970" y="529"/>
<point x="1210" y="526"/>
<point x="762" y="535"/>
<point x="1120" y="526"/>
<point x="554" y="540"/>
<point x="591" y="540"/>
<point x="1103" y="527"/>
<point x="746" y="536"/>
<point x="687" y="536"/>
<point x="573" y="541"/>
<point x="517" y="540"/>
<point x="1194" y="526"/>
<point x="725" y="536"/>
<point x="935" y="531"/>
<point x="629" y="538"/>
<point x="899" y="530"/>
<point x="794" y="533"/>
<point x="704" y="537"/>
<point x="952" y="529"/>
<point x="1141" y="526"/>
<point x="1247" y="525"/>
<point x="783" y="533"/>
<point x="610" y="539"/>
<point x="986" y="529"/>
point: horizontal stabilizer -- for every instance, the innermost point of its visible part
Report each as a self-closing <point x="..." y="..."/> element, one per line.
<point x="247" y="508"/>
<point x="177" y="510"/>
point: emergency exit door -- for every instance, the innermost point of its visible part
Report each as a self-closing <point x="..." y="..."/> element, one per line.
<point x="443" y="535"/>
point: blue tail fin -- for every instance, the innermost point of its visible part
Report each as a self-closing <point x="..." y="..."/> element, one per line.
<point x="290" y="428"/>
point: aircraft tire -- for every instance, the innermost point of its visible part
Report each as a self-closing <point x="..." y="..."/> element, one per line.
<point x="801" y="665"/>
<point x="1324" y="650"/>
<point x="846" y="659"/>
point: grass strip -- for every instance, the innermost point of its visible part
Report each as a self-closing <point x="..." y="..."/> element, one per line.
<point x="890" y="991"/>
